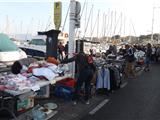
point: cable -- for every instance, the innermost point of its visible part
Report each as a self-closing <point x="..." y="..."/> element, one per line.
<point x="47" y="23"/>
<point x="66" y="18"/>
<point x="88" y="21"/>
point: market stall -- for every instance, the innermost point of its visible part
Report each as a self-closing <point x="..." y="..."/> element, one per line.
<point x="18" y="91"/>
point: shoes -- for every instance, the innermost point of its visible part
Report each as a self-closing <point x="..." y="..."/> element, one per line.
<point x="87" y="102"/>
<point x="146" y="70"/>
<point x="74" y="103"/>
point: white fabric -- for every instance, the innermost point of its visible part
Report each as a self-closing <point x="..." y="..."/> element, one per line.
<point x="139" y="54"/>
<point x="63" y="67"/>
<point x="46" y="72"/>
<point x="53" y="68"/>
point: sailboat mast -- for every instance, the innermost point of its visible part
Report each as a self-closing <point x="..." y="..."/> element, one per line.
<point x="88" y="21"/>
<point x="91" y="25"/>
<point x="98" y="24"/>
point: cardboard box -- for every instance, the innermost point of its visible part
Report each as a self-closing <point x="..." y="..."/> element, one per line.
<point x="23" y="105"/>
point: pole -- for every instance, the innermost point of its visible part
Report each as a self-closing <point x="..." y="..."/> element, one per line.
<point x="152" y="25"/>
<point x="72" y="34"/>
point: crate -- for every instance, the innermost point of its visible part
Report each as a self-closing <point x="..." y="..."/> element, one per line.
<point x="70" y="82"/>
<point x="44" y="92"/>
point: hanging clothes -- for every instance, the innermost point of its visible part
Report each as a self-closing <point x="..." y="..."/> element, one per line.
<point x="115" y="78"/>
<point x="103" y="78"/>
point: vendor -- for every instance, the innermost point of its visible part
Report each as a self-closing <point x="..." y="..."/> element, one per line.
<point x="19" y="64"/>
<point x="85" y="74"/>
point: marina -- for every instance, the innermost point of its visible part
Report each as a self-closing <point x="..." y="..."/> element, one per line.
<point x="79" y="60"/>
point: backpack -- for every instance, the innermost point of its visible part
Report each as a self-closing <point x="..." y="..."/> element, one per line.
<point x="89" y="59"/>
<point x="91" y="63"/>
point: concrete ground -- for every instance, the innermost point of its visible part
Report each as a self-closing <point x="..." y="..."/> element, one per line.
<point x="68" y="111"/>
<point x="138" y="100"/>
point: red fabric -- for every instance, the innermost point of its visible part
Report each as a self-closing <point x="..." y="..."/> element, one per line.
<point x="2" y="87"/>
<point x="70" y="82"/>
<point x="30" y="69"/>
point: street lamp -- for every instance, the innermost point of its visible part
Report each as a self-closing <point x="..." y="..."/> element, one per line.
<point x="153" y="23"/>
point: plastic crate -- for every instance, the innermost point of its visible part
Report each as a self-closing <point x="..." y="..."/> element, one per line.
<point x="44" y="92"/>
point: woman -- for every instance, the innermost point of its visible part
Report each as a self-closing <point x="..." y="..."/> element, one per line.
<point x="85" y="74"/>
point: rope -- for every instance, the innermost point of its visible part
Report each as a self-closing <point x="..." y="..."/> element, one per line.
<point x="66" y="18"/>
<point x="88" y="21"/>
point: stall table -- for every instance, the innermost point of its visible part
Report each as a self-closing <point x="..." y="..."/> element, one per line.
<point x="13" y="95"/>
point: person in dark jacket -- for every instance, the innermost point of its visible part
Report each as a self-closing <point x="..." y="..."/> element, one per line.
<point x="129" y="59"/>
<point x="148" y="57"/>
<point x="85" y="74"/>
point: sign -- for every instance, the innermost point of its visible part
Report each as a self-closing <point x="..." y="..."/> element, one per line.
<point x="57" y="14"/>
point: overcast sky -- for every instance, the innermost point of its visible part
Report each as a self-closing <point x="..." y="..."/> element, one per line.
<point x="129" y="17"/>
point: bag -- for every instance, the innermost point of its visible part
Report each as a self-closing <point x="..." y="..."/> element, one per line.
<point x="64" y="92"/>
<point x="89" y="59"/>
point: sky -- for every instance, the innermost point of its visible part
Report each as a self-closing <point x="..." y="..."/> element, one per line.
<point x="124" y="17"/>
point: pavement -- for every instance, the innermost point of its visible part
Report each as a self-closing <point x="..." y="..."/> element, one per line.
<point x="138" y="100"/>
<point x="68" y="111"/>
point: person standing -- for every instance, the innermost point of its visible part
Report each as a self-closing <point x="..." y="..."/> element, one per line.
<point x="60" y="50"/>
<point x="157" y="53"/>
<point x="85" y="74"/>
<point x="130" y="60"/>
<point x="148" y="57"/>
<point x="153" y="55"/>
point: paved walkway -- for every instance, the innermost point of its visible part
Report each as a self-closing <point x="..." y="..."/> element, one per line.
<point x="138" y="100"/>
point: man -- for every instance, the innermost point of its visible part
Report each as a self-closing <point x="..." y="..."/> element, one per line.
<point x="60" y="50"/>
<point x="130" y="60"/>
<point x="148" y="57"/>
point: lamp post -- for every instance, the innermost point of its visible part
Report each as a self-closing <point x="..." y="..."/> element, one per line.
<point x="153" y="23"/>
<point x="73" y="23"/>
